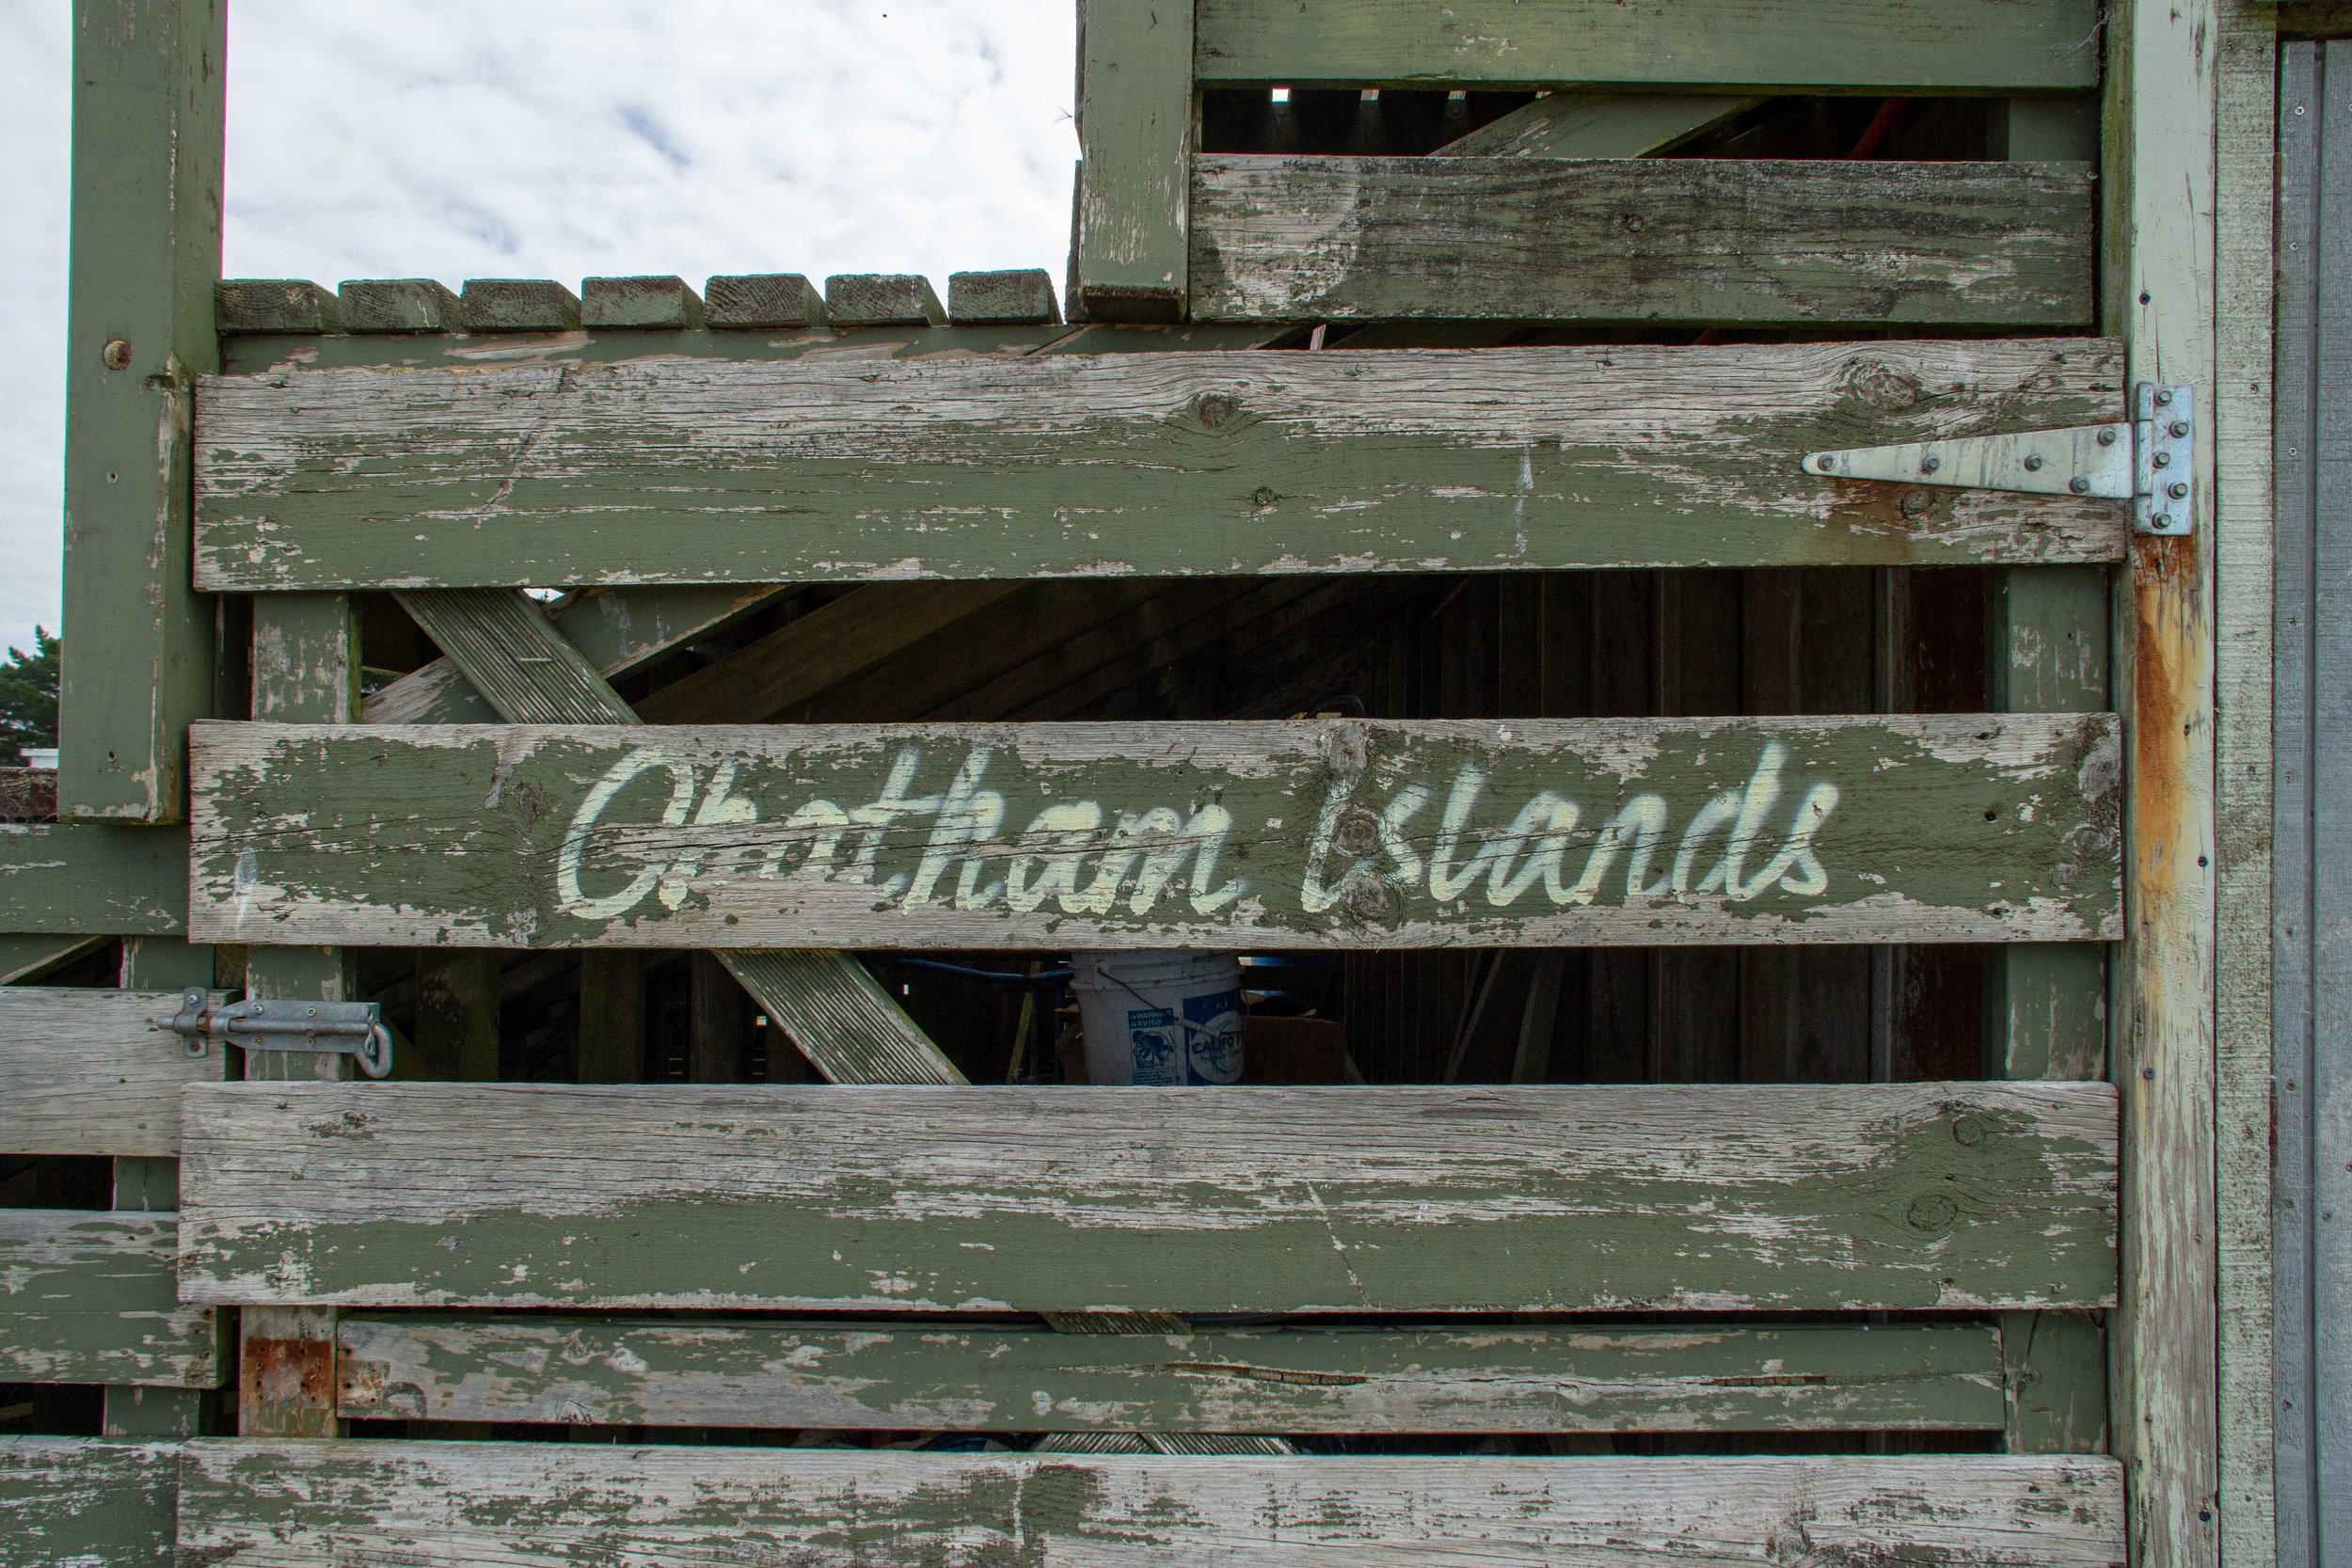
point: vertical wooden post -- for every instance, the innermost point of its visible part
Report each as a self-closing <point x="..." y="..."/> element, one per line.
<point x="148" y="104"/>
<point x="457" y="1012"/>
<point x="153" y="1183"/>
<point x="306" y="670"/>
<point x="2158" y="185"/>
<point x="720" y="1025"/>
<point x="611" y="1017"/>
<point x="1136" y="136"/>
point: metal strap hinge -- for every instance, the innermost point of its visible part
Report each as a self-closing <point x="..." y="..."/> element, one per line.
<point x="329" y="1029"/>
<point x="2148" y="460"/>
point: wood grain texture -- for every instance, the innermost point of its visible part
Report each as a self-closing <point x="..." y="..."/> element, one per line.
<point x="85" y="1072"/>
<point x="1707" y="1377"/>
<point x="1691" y="241"/>
<point x="1688" y="1198"/>
<point x="1091" y="465"/>
<point x="2158" y="178"/>
<point x="92" y="879"/>
<point x="87" y="1295"/>
<point x="1956" y="828"/>
<point x="528" y="671"/>
<point x="77" y="1503"/>
<point x="2247" y="265"/>
<point x="1136" y="135"/>
<point x="149" y="108"/>
<point x="1855" y="45"/>
<point x="471" y="1505"/>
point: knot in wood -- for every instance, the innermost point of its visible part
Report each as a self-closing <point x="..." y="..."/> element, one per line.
<point x="1213" y="410"/>
<point x="1933" y="1212"/>
<point x="1360" y="833"/>
<point x="1343" y="747"/>
<point x="1884" y="387"/>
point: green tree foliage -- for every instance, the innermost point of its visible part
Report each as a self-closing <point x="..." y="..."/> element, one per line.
<point x="28" y="699"/>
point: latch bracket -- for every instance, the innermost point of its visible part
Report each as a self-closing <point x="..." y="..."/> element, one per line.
<point x="2148" y="460"/>
<point x="328" y="1028"/>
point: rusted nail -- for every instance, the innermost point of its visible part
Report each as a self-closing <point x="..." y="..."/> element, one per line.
<point x="116" y="354"/>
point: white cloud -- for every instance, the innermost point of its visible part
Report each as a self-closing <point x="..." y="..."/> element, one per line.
<point x="536" y="140"/>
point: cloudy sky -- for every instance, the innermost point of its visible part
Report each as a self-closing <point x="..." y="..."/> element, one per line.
<point x="532" y="138"/>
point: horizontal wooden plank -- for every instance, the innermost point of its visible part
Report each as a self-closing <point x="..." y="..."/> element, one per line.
<point x="84" y="1071"/>
<point x="92" y="879"/>
<point x="1954" y="45"/>
<point x="87" y="1297"/>
<point x="554" y="1505"/>
<point x="1685" y="1198"/>
<point x="79" y="1502"/>
<point x="1671" y="241"/>
<point x="1969" y="828"/>
<point x="1148" y="465"/>
<point x="1707" y="1377"/>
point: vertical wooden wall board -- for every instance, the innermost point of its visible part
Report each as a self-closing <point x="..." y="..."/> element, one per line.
<point x="1136" y="133"/>
<point x="2158" y="186"/>
<point x="306" y="670"/>
<point x="76" y="1503"/>
<point x="148" y="116"/>
<point x="2301" y="115"/>
<point x="2245" y="257"/>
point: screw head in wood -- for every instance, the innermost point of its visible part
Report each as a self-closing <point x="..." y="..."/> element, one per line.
<point x="117" y="353"/>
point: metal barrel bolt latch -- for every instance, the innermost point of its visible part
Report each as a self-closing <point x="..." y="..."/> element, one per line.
<point x="328" y="1028"/>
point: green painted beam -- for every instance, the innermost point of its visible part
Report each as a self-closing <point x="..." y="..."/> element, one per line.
<point x="88" y="1296"/>
<point x="78" y="1502"/>
<point x="1642" y="242"/>
<point x="1584" y="1378"/>
<point x="1848" y="46"/>
<point x="1947" y="828"/>
<point x="1723" y="1198"/>
<point x="83" y="878"/>
<point x="1147" y="465"/>
<point x="147" y="111"/>
<point x="1137" y="128"/>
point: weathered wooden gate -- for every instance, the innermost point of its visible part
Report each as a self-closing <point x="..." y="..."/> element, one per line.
<point x="1766" y="843"/>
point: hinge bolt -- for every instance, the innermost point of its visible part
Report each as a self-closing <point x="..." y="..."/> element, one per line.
<point x="2178" y="490"/>
<point x="2081" y="485"/>
<point x="115" y="355"/>
<point x="2107" y="436"/>
<point x="2163" y="460"/>
<point x="2180" y="428"/>
<point x="1929" y="463"/>
<point x="2163" y="397"/>
<point x="1827" y="463"/>
<point x="2033" y="462"/>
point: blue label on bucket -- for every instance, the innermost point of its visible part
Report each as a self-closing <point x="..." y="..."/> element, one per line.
<point x="1213" y="1033"/>
<point x="1158" y="1048"/>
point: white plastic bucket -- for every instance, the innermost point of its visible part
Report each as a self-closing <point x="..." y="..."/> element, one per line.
<point x="1159" y="1018"/>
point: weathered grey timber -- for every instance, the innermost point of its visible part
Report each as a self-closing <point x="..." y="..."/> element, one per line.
<point x="639" y="305"/>
<point x="1137" y="126"/>
<point x="85" y="1072"/>
<point x="882" y="299"/>
<point x="398" y="304"/>
<point x="77" y="1503"/>
<point x="1706" y="1377"/>
<point x="148" y="117"/>
<point x="69" y="878"/>
<point x="1677" y="1197"/>
<point x="1949" y="827"/>
<point x="1011" y="298"/>
<point x="294" y="304"/>
<point x="87" y="1296"/>
<point x="551" y="1505"/>
<point x="2312" y="901"/>
<point x="1691" y="241"/>
<point x="517" y="305"/>
<point x="1903" y="45"/>
<point x="683" y="471"/>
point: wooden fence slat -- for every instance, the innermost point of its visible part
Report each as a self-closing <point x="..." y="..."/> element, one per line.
<point x="75" y="879"/>
<point x="1899" y="45"/>
<point x="1971" y="826"/>
<point x="84" y="1071"/>
<point x="549" y="1505"/>
<point x="1087" y="465"/>
<point x="88" y="1296"/>
<point x="1691" y="241"/>
<point x="1706" y="1377"/>
<point x="78" y="1502"/>
<point x="1673" y="1197"/>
